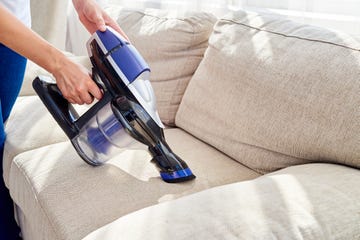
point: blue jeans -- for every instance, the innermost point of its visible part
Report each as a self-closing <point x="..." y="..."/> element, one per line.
<point x="12" y="68"/>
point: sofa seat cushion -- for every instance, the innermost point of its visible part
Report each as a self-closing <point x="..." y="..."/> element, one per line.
<point x="278" y="86"/>
<point x="52" y="182"/>
<point x="29" y="126"/>
<point x="312" y="202"/>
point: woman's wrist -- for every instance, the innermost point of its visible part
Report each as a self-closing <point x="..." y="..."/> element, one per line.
<point x="56" y="61"/>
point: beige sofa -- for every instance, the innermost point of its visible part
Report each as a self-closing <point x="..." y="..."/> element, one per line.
<point x="265" y="111"/>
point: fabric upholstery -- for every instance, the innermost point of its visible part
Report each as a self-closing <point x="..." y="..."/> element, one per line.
<point x="312" y="202"/>
<point x="172" y="43"/>
<point x="34" y="224"/>
<point x="269" y="93"/>
<point x="291" y="91"/>
<point x="54" y="185"/>
<point x="29" y="126"/>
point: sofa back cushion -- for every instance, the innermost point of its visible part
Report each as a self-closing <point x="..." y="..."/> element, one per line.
<point x="273" y="93"/>
<point x="173" y="44"/>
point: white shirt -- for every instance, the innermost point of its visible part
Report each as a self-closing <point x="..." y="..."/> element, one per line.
<point x="20" y="8"/>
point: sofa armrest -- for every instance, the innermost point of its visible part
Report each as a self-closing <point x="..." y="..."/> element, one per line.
<point x="313" y="201"/>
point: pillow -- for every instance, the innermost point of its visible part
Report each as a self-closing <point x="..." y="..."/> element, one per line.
<point x="289" y="90"/>
<point x="313" y="201"/>
<point x="172" y="43"/>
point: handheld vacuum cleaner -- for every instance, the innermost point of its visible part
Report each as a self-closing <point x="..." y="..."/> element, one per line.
<point x="126" y="112"/>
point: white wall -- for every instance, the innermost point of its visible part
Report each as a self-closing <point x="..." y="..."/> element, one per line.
<point x="49" y="20"/>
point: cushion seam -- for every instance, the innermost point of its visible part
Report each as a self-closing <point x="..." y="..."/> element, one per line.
<point x="172" y="102"/>
<point x="293" y="36"/>
<point x="184" y="19"/>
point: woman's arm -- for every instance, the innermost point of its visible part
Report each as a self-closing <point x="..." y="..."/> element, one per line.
<point x="72" y="79"/>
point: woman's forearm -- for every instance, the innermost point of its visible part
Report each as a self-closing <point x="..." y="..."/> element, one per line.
<point x="72" y="79"/>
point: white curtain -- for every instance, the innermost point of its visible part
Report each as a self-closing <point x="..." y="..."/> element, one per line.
<point x="343" y="15"/>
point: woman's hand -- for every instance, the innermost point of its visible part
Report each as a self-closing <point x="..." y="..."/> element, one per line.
<point x="74" y="82"/>
<point x="94" y="18"/>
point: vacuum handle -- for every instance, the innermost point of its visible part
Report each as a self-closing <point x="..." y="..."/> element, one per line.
<point x="62" y="111"/>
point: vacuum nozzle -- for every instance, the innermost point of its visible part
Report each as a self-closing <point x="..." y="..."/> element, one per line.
<point x="172" y="168"/>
